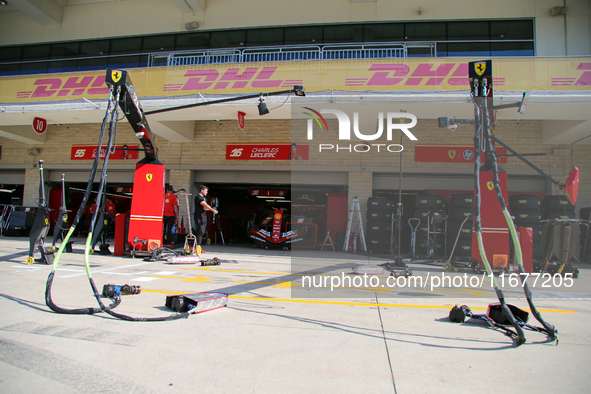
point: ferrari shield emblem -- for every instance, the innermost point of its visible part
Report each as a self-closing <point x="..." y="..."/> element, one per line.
<point x="116" y="75"/>
<point x="480" y="68"/>
<point x="451" y="153"/>
<point x="490" y="185"/>
<point x="148" y="177"/>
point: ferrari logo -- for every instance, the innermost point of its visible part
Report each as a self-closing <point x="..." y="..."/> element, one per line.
<point x="451" y="153"/>
<point x="490" y="185"/>
<point x="149" y="177"/>
<point x="46" y="222"/>
<point x="480" y="67"/>
<point x="116" y="75"/>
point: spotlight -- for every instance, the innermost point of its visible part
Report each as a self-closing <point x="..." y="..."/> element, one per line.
<point x="452" y="127"/>
<point x="443" y="122"/>
<point x="33" y="152"/>
<point x="263" y="110"/>
<point x="191" y="26"/>
<point x="299" y="90"/>
<point x="557" y="11"/>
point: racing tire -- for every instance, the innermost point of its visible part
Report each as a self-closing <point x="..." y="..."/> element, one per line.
<point x="428" y="201"/>
<point x="520" y="202"/>
<point x="557" y="202"/>
<point x="378" y="216"/>
<point x="380" y="204"/>
<point x="461" y="200"/>
<point x="558" y="214"/>
<point x="524" y="217"/>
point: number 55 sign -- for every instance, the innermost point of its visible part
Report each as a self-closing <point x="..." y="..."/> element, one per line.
<point x="39" y="125"/>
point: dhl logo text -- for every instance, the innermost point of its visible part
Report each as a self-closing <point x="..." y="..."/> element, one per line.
<point x="423" y="74"/>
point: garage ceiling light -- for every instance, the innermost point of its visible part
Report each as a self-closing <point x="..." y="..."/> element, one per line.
<point x="268" y="197"/>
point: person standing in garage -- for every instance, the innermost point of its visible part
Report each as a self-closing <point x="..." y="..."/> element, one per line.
<point x="171" y="214"/>
<point x="200" y="215"/>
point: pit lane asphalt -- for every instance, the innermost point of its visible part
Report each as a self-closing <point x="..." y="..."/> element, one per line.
<point x="274" y="335"/>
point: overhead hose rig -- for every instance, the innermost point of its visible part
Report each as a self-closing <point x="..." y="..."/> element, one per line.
<point x="481" y="84"/>
<point x="123" y="95"/>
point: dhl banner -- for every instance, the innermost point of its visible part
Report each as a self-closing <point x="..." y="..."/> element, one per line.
<point x="410" y="74"/>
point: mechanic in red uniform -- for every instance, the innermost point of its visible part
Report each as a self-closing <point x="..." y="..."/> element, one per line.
<point x="171" y="214"/>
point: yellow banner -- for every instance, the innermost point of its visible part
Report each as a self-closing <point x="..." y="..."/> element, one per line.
<point x="410" y="74"/>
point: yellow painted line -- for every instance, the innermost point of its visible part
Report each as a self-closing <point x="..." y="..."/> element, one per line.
<point x="374" y="289"/>
<point x="274" y="284"/>
<point x="463" y="291"/>
<point x="241" y="272"/>
<point x="351" y="303"/>
<point x="196" y="279"/>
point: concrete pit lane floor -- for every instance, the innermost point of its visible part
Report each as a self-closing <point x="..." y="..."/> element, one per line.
<point x="276" y="335"/>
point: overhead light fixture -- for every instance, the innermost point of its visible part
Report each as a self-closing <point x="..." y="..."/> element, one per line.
<point x="33" y="152"/>
<point x="557" y="11"/>
<point x="299" y="90"/>
<point x="191" y="26"/>
<point x="277" y="197"/>
<point x="263" y="110"/>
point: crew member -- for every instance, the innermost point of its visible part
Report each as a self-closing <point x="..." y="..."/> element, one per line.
<point x="171" y="214"/>
<point x="200" y="215"/>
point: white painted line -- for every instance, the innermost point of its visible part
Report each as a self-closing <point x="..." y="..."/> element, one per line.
<point x="109" y="270"/>
<point x="30" y="267"/>
<point x="143" y="279"/>
<point x="165" y="273"/>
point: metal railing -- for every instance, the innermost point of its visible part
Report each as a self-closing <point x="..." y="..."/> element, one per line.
<point x="293" y="53"/>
